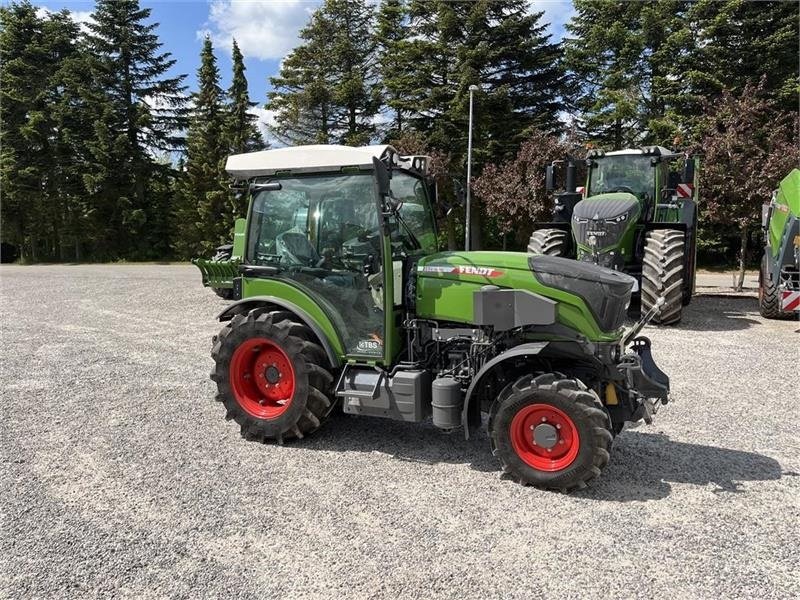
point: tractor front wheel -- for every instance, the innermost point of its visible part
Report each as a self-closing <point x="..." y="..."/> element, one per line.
<point x="550" y="431"/>
<point x="271" y="376"/>
<point x="548" y="241"/>
<point x="663" y="271"/>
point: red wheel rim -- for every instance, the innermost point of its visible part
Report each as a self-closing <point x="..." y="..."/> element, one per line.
<point x="562" y="445"/>
<point x="262" y="378"/>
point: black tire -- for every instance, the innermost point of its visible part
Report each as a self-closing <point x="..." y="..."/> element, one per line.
<point x="224" y="293"/>
<point x="548" y="241"/>
<point x="311" y="401"/>
<point x="568" y="397"/>
<point x="769" y="297"/>
<point x="663" y="269"/>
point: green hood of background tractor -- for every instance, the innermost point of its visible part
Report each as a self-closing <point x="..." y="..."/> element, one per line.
<point x="591" y="300"/>
<point x="611" y="219"/>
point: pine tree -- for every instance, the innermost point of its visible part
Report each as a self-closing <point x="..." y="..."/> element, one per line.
<point x="392" y="38"/>
<point x="42" y="134"/>
<point x="744" y="42"/>
<point x="202" y="213"/>
<point x="497" y="45"/>
<point x="137" y="110"/>
<point x="605" y="59"/>
<point x="327" y="90"/>
<point x="242" y="130"/>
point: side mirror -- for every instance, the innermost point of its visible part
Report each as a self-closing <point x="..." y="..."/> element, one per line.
<point x="383" y="178"/>
<point x="270" y="186"/>
<point x="688" y="171"/>
<point x="549" y="178"/>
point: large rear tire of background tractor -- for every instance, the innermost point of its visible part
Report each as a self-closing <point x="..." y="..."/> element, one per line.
<point x="548" y="241"/>
<point x="550" y="431"/>
<point x="769" y="297"/>
<point x="271" y="376"/>
<point x="663" y="269"/>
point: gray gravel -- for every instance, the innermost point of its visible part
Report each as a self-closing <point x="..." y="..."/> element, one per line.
<point x="120" y="477"/>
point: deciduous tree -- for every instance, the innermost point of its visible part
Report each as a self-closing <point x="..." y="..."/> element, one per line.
<point x="749" y="145"/>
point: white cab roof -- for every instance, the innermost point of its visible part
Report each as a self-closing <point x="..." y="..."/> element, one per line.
<point x="303" y="159"/>
<point x="637" y="151"/>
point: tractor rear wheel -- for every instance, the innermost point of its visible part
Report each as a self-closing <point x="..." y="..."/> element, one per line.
<point x="271" y="376"/>
<point x="550" y="431"/>
<point x="548" y="241"/>
<point x="769" y="297"/>
<point x="663" y="274"/>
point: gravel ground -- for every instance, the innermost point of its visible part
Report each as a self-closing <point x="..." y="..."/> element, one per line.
<point x="120" y="477"/>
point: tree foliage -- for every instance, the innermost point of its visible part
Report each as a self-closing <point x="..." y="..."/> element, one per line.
<point x="327" y="90"/>
<point x="749" y="145"/>
<point x="202" y="202"/>
<point x="514" y="191"/>
<point x="242" y="130"/>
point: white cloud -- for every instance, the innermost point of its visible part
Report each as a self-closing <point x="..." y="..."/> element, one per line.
<point x="556" y="12"/>
<point x="82" y="17"/>
<point x="265" y="119"/>
<point x="263" y="30"/>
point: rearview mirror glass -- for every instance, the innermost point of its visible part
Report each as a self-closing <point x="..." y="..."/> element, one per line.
<point x="382" y="177"/>
<point x="549" y="178"/>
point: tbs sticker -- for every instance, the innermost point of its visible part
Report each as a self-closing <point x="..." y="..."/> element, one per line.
<point x="374" y="345"/>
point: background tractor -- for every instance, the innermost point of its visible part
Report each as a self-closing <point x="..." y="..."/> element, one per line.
<point x="638" y="214"/>
<point x="342" y="297"/>
<point x="779" y="276"/>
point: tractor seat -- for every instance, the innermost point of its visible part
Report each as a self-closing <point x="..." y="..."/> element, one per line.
<point x="295" y="249"/>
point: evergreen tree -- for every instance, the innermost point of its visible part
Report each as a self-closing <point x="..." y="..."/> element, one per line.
<point x="392" y="40"/>
<point x="498" y="45"/>
<point x="743" y="42"/>
<point x="327" y="90"/>
<point x="41" y="133"/>
<point x="608" y="68"/>
<point x="242" y="129"/>
<point x="203" y="213"/>
<point x="137" y="110"/>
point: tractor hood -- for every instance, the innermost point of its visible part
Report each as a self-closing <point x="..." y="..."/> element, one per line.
<point x="599" y="223"/>
<point x="590" y="297"/>
<point x="607" y="206"/>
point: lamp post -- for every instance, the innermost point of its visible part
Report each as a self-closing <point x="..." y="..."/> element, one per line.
<point x="472" y="89"/>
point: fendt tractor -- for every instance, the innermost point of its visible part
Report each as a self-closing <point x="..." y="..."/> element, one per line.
<point x="637" y="213"/>
<point x="342" y="298"/>
<point x="779" y="276"/>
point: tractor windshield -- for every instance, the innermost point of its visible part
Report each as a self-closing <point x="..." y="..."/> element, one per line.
<point x="631" y="173"/>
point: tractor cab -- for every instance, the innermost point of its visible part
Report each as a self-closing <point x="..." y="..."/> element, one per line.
<point x="316" y="229"/>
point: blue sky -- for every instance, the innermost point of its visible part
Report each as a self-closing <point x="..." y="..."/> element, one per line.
<point x="265" y="31"/>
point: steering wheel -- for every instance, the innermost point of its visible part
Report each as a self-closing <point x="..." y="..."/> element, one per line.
<point x="623" y="188"/>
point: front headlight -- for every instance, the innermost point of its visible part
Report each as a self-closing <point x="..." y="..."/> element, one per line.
<point x="618" y="219"/>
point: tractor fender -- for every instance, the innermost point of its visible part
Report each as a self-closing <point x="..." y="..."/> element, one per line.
<point x="530" y="349"/>
<point x="247" y="304"/>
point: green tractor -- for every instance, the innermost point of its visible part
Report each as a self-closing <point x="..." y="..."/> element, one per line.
<point x="779" y="277"/>
<point x="636" y="214"/>
<point x="342" y="298"/>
